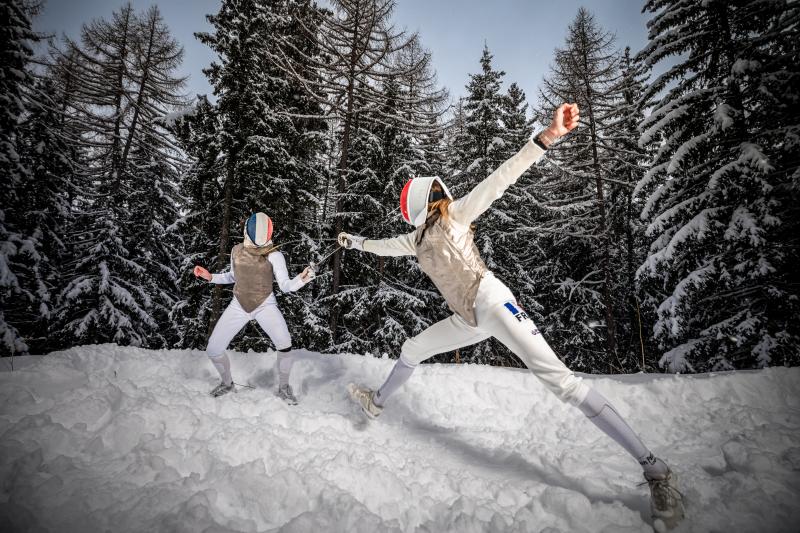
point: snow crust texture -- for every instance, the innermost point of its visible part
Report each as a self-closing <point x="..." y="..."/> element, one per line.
<point x="106" y="438"/>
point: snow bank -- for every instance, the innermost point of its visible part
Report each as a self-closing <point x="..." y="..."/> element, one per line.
<point x="123" y="439"/>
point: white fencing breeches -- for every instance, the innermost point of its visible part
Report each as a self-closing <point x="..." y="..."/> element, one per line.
<point x="268" y="316"/>
<point x="510" y="325"/>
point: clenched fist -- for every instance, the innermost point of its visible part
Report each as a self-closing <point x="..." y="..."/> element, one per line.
<point x="308" y="274"/>
<point x="565" y="119"/>
<point x="201" y="272"/>
<point x="348" y="241"/>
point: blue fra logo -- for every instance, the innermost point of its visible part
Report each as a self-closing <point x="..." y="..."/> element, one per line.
<point x="519" y="314"/>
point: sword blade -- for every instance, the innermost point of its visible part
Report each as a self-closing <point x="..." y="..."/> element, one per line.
<point x="327" y="256"/>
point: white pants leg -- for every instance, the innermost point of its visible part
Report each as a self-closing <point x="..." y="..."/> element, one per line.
<point x="514" y="329"/>
<point x="232" y="320"/>
<point x="510" y="325"/>
<point x="271" y="320"/>
<point x="445" y="335"/>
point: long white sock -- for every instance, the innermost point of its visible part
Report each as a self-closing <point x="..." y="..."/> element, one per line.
<point x="285" y="362"/>
<point x="603" y="415"/>
<point x="223" y="366"/>
<point x="399" y="375"/>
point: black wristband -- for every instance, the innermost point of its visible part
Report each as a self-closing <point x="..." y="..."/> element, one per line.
<point x="539" y="143"/>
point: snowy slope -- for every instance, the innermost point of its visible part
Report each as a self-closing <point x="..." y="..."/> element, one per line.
<point x="123" y="439"/>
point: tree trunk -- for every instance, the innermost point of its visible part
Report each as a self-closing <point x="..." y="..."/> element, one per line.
<point x="635" y="316"/>
<point x="224" y="243"/>
<point x="140" y="95"/>
<point x="119" y="93"/>
<point x="606" y="249"/>
<point x="340" y="186"/>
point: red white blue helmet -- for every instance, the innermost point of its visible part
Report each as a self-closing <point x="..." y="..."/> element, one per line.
<point x="258" y="229"/>
<point x="415" y="197"/>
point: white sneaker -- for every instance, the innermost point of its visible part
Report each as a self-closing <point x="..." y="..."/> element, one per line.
<point x="221" y="389"/>
<point x="666" y="501"/>
<point x="364" y="397"/>
<point x="286" y="394"/>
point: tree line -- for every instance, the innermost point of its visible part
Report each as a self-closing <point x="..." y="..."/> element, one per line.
<point x="661" y="234"/>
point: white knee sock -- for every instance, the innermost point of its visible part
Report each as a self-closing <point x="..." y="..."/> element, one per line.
<point x="285" y="362"/>
<point x="223" y="366"/>
<point x="600" y="411"/>
<point x="399" y="375"/>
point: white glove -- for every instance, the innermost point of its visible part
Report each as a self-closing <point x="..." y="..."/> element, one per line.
<point x="308" y="274"/>
<point x="348" y="241"/>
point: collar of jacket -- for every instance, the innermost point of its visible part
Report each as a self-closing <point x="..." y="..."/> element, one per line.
<point x="258" y="250"/>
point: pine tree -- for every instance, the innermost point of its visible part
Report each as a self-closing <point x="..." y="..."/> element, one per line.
<point x="488" y="127"/>
<point x="484" y="145"/>
<point x="455" y="132"/>
<point x="573" y="214"/>
<point x="120" y="285"/>
<point x="722" y="188"/>
<point x="517" y="127"/>
<point x="511" y="241"/>
<point x="48" y="150"/>
<point x="202" y="197"/>
<point x="18" y="249"/>
<point x="152" y="225"/>
<point x="628" y="162"/>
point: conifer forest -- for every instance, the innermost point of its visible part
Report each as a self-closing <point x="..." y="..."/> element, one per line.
<point x="662" y="235"/>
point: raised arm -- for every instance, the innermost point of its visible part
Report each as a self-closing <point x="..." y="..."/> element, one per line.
<point x="281" y="274"/>
<point x="474" y="204"/>
<point x="396" y="246"/>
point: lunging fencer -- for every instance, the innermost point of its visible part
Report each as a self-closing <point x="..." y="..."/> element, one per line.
<point x="484" y="307"/>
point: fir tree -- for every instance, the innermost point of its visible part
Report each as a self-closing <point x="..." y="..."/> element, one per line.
<point x="722" y="188"/>
<point x="49" y="151"/>
<point x="19" y="250"/>
<point x="573" y="215"/>
<point x="117" y="288"/>
<point x="202" y="197"/>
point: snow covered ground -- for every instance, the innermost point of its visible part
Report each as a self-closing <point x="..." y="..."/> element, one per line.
<point x="106" y="438"/>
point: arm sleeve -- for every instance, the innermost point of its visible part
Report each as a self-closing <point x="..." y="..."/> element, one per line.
<point x="396" y="246"/>
<point x="224" y="278"/>
<point x="471" y="206"/>
<point x="281" y="274"/>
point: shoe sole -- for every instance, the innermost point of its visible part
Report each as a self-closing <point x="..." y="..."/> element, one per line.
<point x="288" y="401"/>
<point x="232" y="390"/>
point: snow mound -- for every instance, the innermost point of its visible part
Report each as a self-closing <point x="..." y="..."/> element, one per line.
<point x="106" y="438"/>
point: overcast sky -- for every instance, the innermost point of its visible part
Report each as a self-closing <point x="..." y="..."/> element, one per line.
<point x="520" y="34"/>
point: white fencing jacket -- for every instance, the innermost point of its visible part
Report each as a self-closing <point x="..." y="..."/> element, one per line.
<point x="464" y="211"/>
